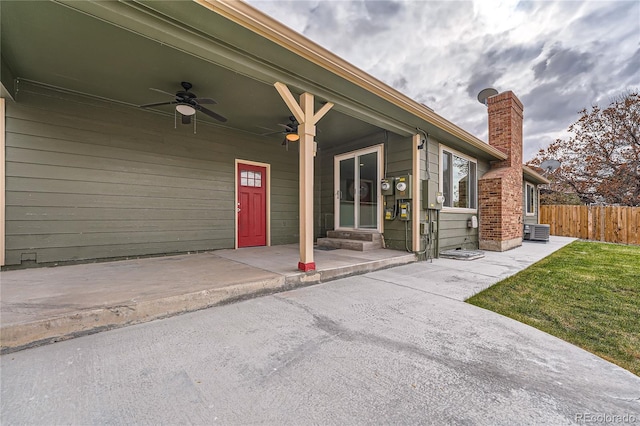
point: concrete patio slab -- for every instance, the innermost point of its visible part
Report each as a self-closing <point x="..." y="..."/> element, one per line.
<point x="461" y="279"/>
<point x="45" y="305"/>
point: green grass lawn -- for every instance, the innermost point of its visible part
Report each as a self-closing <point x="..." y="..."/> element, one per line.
<point x="586" y="293"/>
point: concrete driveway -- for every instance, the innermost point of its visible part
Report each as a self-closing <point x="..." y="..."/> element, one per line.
<point x="396" y="346"/>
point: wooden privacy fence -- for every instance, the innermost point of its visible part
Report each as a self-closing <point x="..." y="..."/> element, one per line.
<point x="600" y="223"/>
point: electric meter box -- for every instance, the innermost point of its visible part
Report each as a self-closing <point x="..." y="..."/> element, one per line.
<point x="387" y="187"/>
<point x="403" y="187"/>
<point x="430" y="193"/>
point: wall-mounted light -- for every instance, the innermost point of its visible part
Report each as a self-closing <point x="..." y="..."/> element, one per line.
<point x="185" y="109"/>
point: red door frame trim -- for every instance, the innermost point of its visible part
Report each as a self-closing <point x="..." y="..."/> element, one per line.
<point x="268" y="200"/>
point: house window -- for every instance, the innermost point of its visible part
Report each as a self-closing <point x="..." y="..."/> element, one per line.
<point x="249" y="178"/>
<point x="459" y="180"/>
<point x="530" y="199"/>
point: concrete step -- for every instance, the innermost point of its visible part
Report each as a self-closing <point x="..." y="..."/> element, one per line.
<point x="343" y="243"/>
<point x="355" y="235"/>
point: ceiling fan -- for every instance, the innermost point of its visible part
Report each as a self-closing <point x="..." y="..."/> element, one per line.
<point x="187" y="103"/>
<point x="290" y="131"/>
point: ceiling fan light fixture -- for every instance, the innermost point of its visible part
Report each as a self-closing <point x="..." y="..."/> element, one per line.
<point x="292" y="137"/>
<point x="185" y="109"/>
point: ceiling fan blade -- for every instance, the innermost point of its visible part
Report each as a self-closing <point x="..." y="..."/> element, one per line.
<point x="269" y="131"/>
<point x="157" y="104"/>
<point x="162" y="91"/>
<point x="206" y="101"/>
<point x="211" y="113"/>
<point x="289" y="128"/>
<point x="186" y="119"/>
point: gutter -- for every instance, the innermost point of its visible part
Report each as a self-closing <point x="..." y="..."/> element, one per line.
<point x="533" y="176"/>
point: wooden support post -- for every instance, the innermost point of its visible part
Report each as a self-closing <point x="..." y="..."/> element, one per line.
<point x="2" y="182"/>
<point x="307" y="120"/>
<point x="416" y="245"/>
<point x="307" y="132"/>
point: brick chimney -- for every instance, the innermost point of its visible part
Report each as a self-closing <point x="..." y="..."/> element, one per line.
<point x="500" y="189"/>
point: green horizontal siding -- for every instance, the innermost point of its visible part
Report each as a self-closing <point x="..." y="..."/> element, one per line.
<point x="399" y="162"/>
<point x="326" y="198"/>
<point x="59" y="214"/>
<point x="86" y="179"/>
<point x="454" y="232"/>
<point x="118" y="251"/>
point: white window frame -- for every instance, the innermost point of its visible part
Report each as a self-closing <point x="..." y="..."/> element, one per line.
<point x="440" y="183"/>
<point x="534" y="204"/>
<point x="379" y="149"/>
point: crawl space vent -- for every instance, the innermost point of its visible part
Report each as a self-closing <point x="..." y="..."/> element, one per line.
<point x="462" y="254"/>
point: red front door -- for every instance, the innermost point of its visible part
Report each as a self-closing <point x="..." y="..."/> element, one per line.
<point x="252" y="205"/>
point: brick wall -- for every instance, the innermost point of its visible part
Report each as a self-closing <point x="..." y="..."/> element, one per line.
<point x="500" y="189"/>
<point x="505" y="128"/>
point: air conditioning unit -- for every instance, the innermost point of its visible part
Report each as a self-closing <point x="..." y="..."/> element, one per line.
<point x="536" y="232"/>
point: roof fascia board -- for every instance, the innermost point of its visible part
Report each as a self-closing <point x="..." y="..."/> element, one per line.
<point x="254" y="20"/>
<point x="534" y="176"/>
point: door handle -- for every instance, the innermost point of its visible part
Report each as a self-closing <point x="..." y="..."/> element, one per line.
<point x="238" y="210"/>
<point x="339" y="194"/>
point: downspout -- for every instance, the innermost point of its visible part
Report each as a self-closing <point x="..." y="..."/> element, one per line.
<point x="434" y="237"/>
<point x="424" y="144"/>
<point x="386" y="149"/>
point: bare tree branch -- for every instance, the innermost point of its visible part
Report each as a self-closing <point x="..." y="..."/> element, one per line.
<point x="601" y="160"/>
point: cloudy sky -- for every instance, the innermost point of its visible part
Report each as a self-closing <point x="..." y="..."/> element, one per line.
<point x="558" y="57"/>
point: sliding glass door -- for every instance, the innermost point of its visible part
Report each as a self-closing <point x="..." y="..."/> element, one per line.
<point x="357" y="179"/>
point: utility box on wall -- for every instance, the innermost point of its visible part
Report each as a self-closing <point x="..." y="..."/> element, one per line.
<point x="403" y="187"/>
<point x="404" y="210"/>
<point x="387" y="187"/>
<point x="430" y="195"/>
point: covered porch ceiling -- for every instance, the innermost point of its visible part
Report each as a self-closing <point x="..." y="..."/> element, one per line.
<point x="117" y="51"/>
<point x="59" y="46"/>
